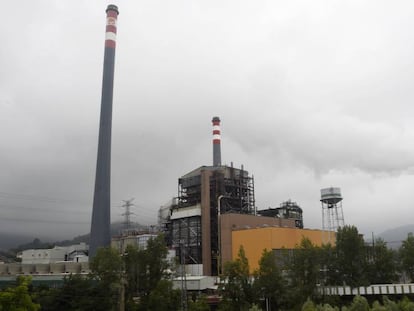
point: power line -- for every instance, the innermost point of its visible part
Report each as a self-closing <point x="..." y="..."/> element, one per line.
<point x="37" y="209"/>
<point x="31" y="197"/>
<point x="34" y="220"/>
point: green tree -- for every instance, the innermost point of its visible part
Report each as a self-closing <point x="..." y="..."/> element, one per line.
<point x="382" y="267"/>
<point x="157" y="253"/>
<point x="107" y="266"/>
<point x="351" y="256"/>
<point x="304" y="271"/>
<point x="389" y="304"/>
<point x="406" y="305"/>
<point x="309" y="306"/>
<point x="329" y="274"/>
<point x="327" y="307"/>
<point x="237" y="289"/>
<point x="135" y="262"/>
<point x="269" y="283"/>
<point x="200" y="304"/>
<point x="145" y="268"/>
<point x="359" y="303"/>
<point x="163" y="298"/>
<point x="255" y="308"/>
<point x="107" y="270"/>
<point x="407" y="256"/>
<point x="18" y="298"/>
<point x="77" y="293"/>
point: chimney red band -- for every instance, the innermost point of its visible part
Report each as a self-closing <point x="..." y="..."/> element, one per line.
<point x="216" y="142"/>
<point x="111" y="20"/>
<point x="216" y="131"/>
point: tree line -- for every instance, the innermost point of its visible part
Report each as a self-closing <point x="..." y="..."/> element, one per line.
<point x="140" y="279"/>
<point x="287" y="279"/>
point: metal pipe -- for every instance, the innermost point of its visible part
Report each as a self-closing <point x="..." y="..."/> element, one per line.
<point x="219" y="234"/>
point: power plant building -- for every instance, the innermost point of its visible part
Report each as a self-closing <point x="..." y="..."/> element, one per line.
<point x="213" y="201"/>
<point x="193" y="223"/>
<point x="204" y="195"/>
<point x="271" y="238"/>
<point x="287" y="210"/>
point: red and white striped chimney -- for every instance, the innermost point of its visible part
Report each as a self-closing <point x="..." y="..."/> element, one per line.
<point x="111" y="19"/>
<point x="216" y="142"/>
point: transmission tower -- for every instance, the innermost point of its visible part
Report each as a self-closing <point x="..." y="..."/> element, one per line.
<point x="127" y="214"/>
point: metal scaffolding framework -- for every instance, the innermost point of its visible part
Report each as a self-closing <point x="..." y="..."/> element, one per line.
<point x="229" y="188"/>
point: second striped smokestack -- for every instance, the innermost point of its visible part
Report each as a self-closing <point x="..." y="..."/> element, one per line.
<point x="216" y="142"/>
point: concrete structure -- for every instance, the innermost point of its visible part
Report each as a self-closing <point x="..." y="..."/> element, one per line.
<point x="56" y="268"/>
<point x="42" y="274"/>
<point x="255" y="240"/>
<point x="75" y="253"/>
<point x="47" y="266"/>
<point x="101" y="213"/>
<point x="231" y="223"/>
<point x="135" y="239"/>
<point x="372" y="290"/>
<point x="195" y="283"/>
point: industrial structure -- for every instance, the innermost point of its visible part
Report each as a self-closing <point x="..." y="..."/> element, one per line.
<point x="192" y="225"/>
<point x="101" y="213"/>
<point x="332" y="213"/>
<point x="72" y="253"/>
<point x="286" y="210"/>
<point x="277" y="239"/>
<point x="47" y="266"/>
<point x="212" y="201"/>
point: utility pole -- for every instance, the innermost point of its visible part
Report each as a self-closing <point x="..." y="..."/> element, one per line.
<point x="122" y="292"/>
<point x="184" y="306"/>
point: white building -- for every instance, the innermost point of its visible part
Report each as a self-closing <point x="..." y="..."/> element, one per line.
<point x="133" y="239"/>
<point x="74" y="253"/>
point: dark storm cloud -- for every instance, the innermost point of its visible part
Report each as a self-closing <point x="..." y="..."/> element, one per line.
<point x="311" y="94"/>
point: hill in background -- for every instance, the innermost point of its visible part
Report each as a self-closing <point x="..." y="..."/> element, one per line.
<point x="395" y="236"/>
<point x="21" y="242"/>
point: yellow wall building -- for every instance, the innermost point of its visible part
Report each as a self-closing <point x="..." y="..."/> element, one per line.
<point x="254" y="241"/>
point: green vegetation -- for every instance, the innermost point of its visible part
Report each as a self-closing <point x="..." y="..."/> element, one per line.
<point x="18" y="298"/>
<point x="141" y="280"/>
<point x="407" y="256"/>
<point x="237" y="290"/>
<point x="361" y="304"/>
<point x="290" y="282"/>
<point x="269" y="283"/>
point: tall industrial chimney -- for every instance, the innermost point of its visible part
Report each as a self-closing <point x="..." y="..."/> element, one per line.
<point x="216" y="142"/>
<point x="101" y="213"/>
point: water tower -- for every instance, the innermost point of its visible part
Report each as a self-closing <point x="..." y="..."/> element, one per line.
<point x="332" y="214"/>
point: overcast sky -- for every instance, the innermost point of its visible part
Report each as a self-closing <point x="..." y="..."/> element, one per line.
<point x="311" y="94"/>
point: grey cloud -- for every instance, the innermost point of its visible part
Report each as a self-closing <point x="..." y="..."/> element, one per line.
<point x="310" y="94"/>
